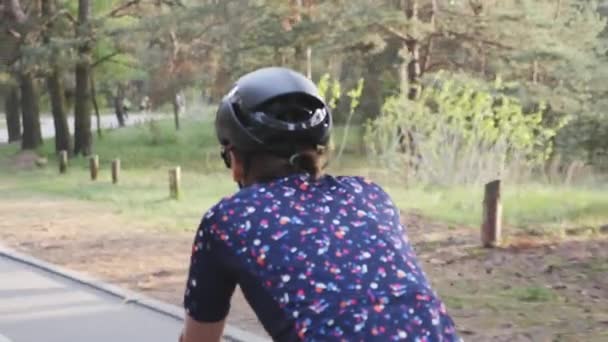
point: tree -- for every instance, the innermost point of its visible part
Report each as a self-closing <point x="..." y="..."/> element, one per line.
<point x="119" y="105"/>
<point x="20" y="26"/>
<point x="555" y="50"/>
<point x="30" y="111"/>
<point x="13" y="114"/>
<point x="83" y="139"/>
<point x="54" y="81"/>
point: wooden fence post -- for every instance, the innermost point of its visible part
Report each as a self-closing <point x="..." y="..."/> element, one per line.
<point x="115" y="170"/>
<point x="63" y="161"/>
<point x="174" y="182"/>
<point x="94" y="166"/>
<point x="492" y="215"/>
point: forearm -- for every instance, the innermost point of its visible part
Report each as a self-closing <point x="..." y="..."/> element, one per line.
<point x="202" y="332"/>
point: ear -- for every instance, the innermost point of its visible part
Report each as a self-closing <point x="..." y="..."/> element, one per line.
<point x="238" y="171"/>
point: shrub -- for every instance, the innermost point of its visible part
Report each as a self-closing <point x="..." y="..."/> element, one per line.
<point x="459" y="132"/>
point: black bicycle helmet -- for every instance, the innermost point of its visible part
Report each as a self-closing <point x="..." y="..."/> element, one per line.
<point x="274" y="110"/>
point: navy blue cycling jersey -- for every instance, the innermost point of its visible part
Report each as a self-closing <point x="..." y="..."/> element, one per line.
<point x="318" y="260"/>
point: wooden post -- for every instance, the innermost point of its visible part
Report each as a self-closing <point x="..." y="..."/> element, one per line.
<point x="115" y="170"/>
<point x="309" y="62"/>
<point x="94" y="166"/>
<point x="174" y="182"/>
<point x="63" y="161"/>
<point x="492" y="215"/>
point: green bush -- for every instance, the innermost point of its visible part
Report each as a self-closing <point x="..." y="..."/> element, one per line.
<point x="459" y="132"/>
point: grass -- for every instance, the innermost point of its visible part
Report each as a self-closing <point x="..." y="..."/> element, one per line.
<point x="531" y="207"/>
<point x="139" y="195"/>
<point x="533" y="294"/>
<point x="148" y="151"/>
<point x="156" y="144"/>
<point x="597" y="265"/>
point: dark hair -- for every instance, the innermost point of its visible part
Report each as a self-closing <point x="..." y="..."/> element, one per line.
<point x="262" y="167"/>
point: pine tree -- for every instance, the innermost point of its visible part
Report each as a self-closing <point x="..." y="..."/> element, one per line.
<point x="83" y="139"/>
<point x="54" y="81"/>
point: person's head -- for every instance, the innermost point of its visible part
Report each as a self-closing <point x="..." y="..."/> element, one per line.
<point x="273" y="123"/>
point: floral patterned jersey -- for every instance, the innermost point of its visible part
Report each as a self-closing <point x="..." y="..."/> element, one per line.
<point x="317" y="260"/>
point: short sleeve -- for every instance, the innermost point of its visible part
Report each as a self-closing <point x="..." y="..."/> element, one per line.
<point x="211" y="282"/>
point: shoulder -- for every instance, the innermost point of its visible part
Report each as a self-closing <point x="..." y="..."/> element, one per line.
<point x="227" y="207"/>
<point x="232" y="209"/>
<point x="362" y="185"/>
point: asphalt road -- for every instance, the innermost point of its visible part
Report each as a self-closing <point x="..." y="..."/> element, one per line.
<point x="42" y="302"/>
<point x="106" y="121"/>
<point x="38" y="306"/>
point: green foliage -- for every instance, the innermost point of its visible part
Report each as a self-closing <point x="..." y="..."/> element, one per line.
<point x="143" y="187"/>
<point x="330" y="89"/>
<point x="533" y="294"/>
<point x="354" y="95"/>
<point x="585" y="139"/>
<point x="460" y="133"/>
<point x="553" y="51"/>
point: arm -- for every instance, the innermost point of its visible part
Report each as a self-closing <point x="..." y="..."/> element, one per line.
<point x="201" y="332"/>
<point x="211" y="283"/>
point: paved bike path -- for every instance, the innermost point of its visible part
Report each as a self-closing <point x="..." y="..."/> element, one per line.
<point x="43" y="302"/>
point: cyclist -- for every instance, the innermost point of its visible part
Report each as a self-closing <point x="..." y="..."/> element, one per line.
<point x="318" y="257"/>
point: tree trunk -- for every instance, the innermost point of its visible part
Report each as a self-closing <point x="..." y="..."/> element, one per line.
<point x="82" y="107"/>
<point x="13" y="117"/>
<point x="309" y="62"/>
<point x="82" y="111"/>
<point x="483" y="61"/>
<point x="534" y="76"/>
<point x="32" y="138"/>
<point x="221" y="82"/>
<point x="407" y="143"/>
<point x="60" y="120"/>
<point x="177" y="108"/>
<point x="14" y="11"/>
<point x="413" y="68"/>
<point x="119" y="105"/>
<point x="425" y="60"/>
<point x="371" y="103"/>
<point x="54" y="83"/>
<point x="94" y="102"/>
<point x="558" y="9"/>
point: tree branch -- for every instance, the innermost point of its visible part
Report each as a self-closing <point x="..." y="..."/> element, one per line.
<point x="473" y="38"/>
<point x="104" y="58"/>
<point x="172" y="3"/>
<point x="201" y="42"/>
<point x="129" y="65"/>
<point x="115" y="12"/>
<point x="458" y="14"/>
<point x="14" y="33"/>
<point x="63" y="13"/>
<point x="447" y="63"/>
<point x="426" y="58"/>
<point x="405" y="37"/>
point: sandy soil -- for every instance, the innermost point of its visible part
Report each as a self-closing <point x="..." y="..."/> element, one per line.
<point x="531" y="290"/>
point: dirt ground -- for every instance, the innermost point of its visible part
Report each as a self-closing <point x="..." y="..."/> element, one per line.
<point x="532" y="290"/>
